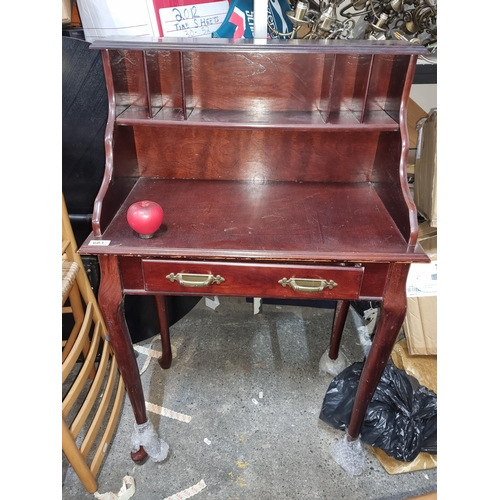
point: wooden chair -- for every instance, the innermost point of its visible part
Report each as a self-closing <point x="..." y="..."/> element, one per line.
<point x="93" y="388"/>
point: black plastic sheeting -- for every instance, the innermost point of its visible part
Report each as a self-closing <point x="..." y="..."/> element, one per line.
<point x="401" y="418"/>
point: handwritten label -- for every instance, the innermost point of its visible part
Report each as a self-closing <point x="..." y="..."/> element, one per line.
<point x="197" y="20"/>
<point x="99" y="243"/>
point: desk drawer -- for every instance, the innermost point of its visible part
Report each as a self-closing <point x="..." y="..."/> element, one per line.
<point x="252" y="280"/>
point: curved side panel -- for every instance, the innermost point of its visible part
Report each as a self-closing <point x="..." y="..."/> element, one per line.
<point x="108" y="146"/>
<point x="412" y="236"/>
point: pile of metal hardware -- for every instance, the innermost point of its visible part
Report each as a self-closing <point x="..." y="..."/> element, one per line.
<point x="411" y="20"/>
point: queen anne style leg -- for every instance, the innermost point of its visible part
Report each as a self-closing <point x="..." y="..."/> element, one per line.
<point x="111" y="303"/>
<point x="392" y="313"/>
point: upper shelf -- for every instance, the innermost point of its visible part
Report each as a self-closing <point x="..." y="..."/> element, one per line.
<point x="304" y="84"/>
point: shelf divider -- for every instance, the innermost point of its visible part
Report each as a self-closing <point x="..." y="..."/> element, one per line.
<point x="183" y="85"/>
<point x="146" y="80"/>
<point x="367" y="90"/>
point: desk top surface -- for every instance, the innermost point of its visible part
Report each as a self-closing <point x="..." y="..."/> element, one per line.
<point x="260" y="221"/>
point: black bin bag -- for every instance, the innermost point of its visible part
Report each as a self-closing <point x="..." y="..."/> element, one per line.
<point x="401" y="418"/>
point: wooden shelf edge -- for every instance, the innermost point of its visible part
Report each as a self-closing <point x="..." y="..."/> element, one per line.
<point x="311" y="120"/>
<point x="252" y="45"/>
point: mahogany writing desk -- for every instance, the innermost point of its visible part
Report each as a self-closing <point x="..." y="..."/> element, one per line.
<point x="281" y="170"/>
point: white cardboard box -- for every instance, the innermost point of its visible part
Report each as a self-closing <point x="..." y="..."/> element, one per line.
<point x="420" y="323"/>
<point x="179" y="18"/>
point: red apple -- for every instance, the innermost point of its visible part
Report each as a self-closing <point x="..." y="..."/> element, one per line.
<point x="145" y="217"/>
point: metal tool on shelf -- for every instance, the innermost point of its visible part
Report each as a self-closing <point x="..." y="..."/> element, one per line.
<point x="411" y="20"/>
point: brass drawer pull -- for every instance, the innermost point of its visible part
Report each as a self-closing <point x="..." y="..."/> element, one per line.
<point x="195" y="280"/>
<point x="307" y="285"/>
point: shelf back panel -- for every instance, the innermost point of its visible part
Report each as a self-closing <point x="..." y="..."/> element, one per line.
<point x="387" y="83"/>
<point x="246" y="154"/>
<point x="259" y="82"/>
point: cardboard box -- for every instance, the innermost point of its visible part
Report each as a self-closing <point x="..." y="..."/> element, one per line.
<point x="420" y="324"/>
<point x="413" y="115"/>
<point x="425" y="195"/>
<point x="66" y="12"/>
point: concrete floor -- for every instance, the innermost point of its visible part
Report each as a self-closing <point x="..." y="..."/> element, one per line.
<point x="241" y="445"/>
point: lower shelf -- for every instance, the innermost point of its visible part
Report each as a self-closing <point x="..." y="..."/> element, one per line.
<point x="253" y="220"/>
